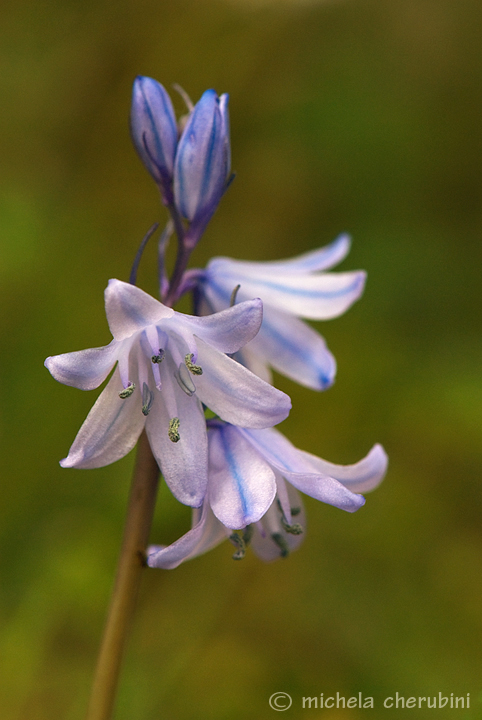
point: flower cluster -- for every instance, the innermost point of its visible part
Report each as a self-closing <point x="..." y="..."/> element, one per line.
<point x="240" y="475"/>
<point x="191" y="172"/>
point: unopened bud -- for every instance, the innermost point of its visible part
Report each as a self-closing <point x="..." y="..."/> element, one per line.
<point x="154" y="131"/>
<point x="202" y="163"/>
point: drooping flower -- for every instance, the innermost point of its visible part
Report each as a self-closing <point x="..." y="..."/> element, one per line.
<point x="203" y="163"/>
<point x="154" y="132"/>
<point x="168" y="364"/>
<point x="254" y="476"/>
<point x="290" y="289"/>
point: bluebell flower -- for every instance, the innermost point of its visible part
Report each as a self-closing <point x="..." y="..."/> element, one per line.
<point x="203" y="163"/>
<point x="254" y="476"/>
<point x="154" y="131"/>
<point x="290" y="289"/>
<point x="168" y="365"/>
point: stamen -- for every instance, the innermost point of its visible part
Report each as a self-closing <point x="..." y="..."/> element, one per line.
<point x="127" y="391"/>
<point x="295" y="511"/>
<point x="173" y="431"/>
<point x="157" y="359"/>
<point x="184" y="380"/>
<point x="194" y="369"/>
<point x="240" y="546"/>
<point x="279" y="540"/>
<point x="233" y="296"/>
<point x="137" y="259"/>
<point x="185" y="96"/>
<point x="293" y="529"/>
<point x="248" y="534"/>
<point x="147" y="399"/>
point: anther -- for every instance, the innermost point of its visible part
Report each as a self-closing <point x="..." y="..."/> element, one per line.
<point x="247" y="534"/>
<point x="279" y="540"/>
<point x="240" y="546"/>
<point x="194" y="369"/>
<point x="147" y="399"/>
<point x="233" y="296"/>
<point x="293" y="529"/>
<point x="127" y="392"/>
<point x="184" y="380"/>
<point x="173" y="431"/>
<point x="157" y="359"/>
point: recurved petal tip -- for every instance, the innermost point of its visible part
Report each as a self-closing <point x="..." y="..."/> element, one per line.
<point x="130" y="309"/>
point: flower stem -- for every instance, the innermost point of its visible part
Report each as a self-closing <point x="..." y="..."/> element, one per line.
<point x="131" y="562"/>
<point x="182" y="257"/>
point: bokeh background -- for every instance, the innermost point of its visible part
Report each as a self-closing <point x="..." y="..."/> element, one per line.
<point x="359" y="116"/>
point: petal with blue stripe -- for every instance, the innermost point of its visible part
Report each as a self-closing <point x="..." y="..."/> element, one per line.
<point x="242" y="485"/>
<point x="294" y="349"/>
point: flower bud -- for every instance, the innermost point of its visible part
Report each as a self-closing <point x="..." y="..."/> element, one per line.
<point x="202" y="163"/>
<point x="154" y="131"/>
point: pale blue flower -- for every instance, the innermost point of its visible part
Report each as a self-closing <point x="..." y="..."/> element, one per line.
<point x="154" y="131"/>
<point x="290" y="289"/>
<point x="168" y="365"/>
<point x="203" y="163"/>
<point x="254" y="476"/>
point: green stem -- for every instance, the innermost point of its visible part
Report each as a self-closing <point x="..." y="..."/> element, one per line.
<point x="131" y="562"/>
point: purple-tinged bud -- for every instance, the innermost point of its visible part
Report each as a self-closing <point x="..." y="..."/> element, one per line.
<point x="202" y="163"/>
<point x="154" y="131"/>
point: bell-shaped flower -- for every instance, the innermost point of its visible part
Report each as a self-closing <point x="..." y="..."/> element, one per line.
<point x="154" y="131"/>
<point x="290" y="289"/>
<point x="168" y="365"/>
<point x="202" y="165"/>
<point x="254" y="476"/>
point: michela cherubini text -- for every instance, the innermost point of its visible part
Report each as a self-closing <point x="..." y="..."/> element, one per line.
<point x="396" y="701"/>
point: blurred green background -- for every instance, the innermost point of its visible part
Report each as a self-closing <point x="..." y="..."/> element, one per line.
<point x="358" y="116"/>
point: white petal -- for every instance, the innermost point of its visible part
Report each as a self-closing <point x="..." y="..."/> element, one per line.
<point x="315" y="261"/>
<point x="230" y="329"/>
<point x="241" y="484"/>
<point x="294" y="349"/>
<point x="277" y="450"/>
<point x="363" y="476"/>
<point x="235" y="394"/>
<point x="85" y="369"/>
<point x="326" y="489"/>
<point x="301" y="471"/>
<point x="205" y="534"/>
<point x="183" y="463"/>
<point x="323" y="258"/>
<point x="130" y="309"/>
<point x="110" y="430"/>
<point x="316" y="297"/>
